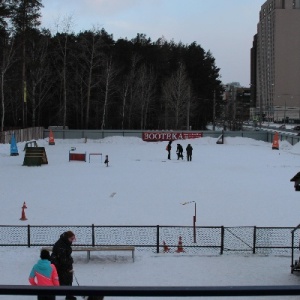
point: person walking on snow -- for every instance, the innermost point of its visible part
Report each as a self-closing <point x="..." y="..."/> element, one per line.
<point x="62" y="258"/>
<point x="44" y="273"/>
<point x="169" y="147"/>
<point x="179" y="152"/>
<point x="189" y="152"/>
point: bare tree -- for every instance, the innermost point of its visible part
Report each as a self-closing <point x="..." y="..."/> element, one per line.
<point x="176" y="92"/>
<point x="145" y="88"/>
<point x="64" y="28"/>
<point x="90" y="58"/>
<point x="109" y="74"/>
<point x="41" y="79"/>
<point x="127" y="87"/>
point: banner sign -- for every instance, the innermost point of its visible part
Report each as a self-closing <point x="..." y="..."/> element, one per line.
<point x="169" y="136"/>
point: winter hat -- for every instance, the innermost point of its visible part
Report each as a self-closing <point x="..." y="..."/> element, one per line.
<point x="45" y="254"/>
<point x="69" y="234"/>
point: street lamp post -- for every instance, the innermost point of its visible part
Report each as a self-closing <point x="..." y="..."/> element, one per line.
<point x="285" y="107"/>
<point x="194" y="218"/>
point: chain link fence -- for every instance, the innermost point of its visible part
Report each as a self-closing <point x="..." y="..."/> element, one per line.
<point x="199" y="240"/>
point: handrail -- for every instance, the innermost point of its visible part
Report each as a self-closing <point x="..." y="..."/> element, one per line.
<point x="156" y="291"/>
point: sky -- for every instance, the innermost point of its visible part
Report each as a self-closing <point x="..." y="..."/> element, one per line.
<point x="241" y="183"/>
<point x="223" y="27"/>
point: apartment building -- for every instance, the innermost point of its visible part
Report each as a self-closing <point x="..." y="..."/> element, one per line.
<point x="275" y="61"/>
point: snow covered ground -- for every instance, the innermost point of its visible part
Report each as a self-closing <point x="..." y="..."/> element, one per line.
<point x="241" y="183"/>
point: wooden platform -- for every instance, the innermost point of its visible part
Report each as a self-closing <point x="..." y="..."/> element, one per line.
<point x="35" y="156"/>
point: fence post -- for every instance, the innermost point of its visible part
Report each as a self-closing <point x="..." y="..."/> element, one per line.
<point x="292" y="263"/>
<point x="93" y="235"/>
<point x="254" y="240"/>
<point x="157" y="238"/>
<point x="28" y="235"/>
<point x="222" y="239"/>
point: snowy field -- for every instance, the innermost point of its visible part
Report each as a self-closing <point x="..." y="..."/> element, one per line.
<point x="241" y="183"/>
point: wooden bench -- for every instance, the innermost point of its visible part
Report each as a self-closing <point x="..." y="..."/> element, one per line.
<point x="100" y="248"/>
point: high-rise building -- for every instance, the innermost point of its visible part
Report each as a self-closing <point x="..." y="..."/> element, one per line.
<point x="275" y="61"/>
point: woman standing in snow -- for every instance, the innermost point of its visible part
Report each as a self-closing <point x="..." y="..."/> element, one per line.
<point x="44" y="273"/>
<point x="62" y="258"/>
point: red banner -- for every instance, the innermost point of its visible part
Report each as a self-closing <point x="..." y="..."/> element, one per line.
<point x="169" y="136"/>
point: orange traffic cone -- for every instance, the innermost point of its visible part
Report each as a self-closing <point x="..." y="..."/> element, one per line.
<point x="51" y="138"/>
<point x="166" y="248"/>
<point x="179" y="247"/>
<point x="23" y="216"/>
<point x="275" y="145"/>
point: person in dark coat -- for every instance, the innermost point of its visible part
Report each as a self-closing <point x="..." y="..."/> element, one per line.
<point x="169" y="147"/>
<point x="179" y="152"/>
<point x="61" y="257"/>
<point x="189" y="152"/>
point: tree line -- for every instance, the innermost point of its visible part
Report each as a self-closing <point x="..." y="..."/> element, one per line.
<point x="89" y="80"/>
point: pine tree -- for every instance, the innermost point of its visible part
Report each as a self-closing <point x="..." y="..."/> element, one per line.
<point x="25" y="16"/>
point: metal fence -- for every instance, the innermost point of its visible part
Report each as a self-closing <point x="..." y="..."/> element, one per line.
<point x="101" y="134"/>
<point x="209" y="240"/>
<point x="35" y="133"/>
<point x="154" y="291"/>
<point x="295" y="254"/>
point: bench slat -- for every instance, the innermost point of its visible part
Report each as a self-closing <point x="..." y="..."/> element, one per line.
<point x="101" y="248"/>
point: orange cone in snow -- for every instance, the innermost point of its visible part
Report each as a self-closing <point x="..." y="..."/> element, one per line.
<point x="166" y="248"/>
<point x="23" y="216"/>
<point x="51" y="138"/>
<point x="179" y="247"/>
<point x="275" y="145"/>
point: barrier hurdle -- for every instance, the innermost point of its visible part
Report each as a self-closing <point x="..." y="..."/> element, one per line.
<point x="99" y="154"/>
<point x="76" y="156"/>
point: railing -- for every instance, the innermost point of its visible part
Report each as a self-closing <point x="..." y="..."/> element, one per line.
<point x="154" y="291"/>
<point x="210" y="240"/>
<point x="295" y="246"/>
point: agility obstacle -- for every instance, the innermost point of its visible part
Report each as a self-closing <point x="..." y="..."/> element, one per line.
<point x="13" y="146"/>
<point x="275" y="144"/>
<point x="23" y="215"/>
<point x="96" y="154"/>
<point x="30" y="144"/>
<point x="35" y="156"/>
<point x="220" y="139"/>
<point x="76" y="156"/>
<point x="51" y="138"/>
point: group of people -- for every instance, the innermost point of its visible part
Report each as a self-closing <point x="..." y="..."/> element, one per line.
<point x="56" y="269"/>
<point x="179" y="151"/>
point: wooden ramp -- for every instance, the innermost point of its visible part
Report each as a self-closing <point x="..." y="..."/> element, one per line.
<point x="35" y="156"/>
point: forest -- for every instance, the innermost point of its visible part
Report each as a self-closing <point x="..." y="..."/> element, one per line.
<point x="88" y="80"/>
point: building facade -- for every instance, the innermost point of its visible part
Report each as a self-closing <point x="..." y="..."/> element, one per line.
<point x="237" y="103"/>
<point x="275" y="62"/>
